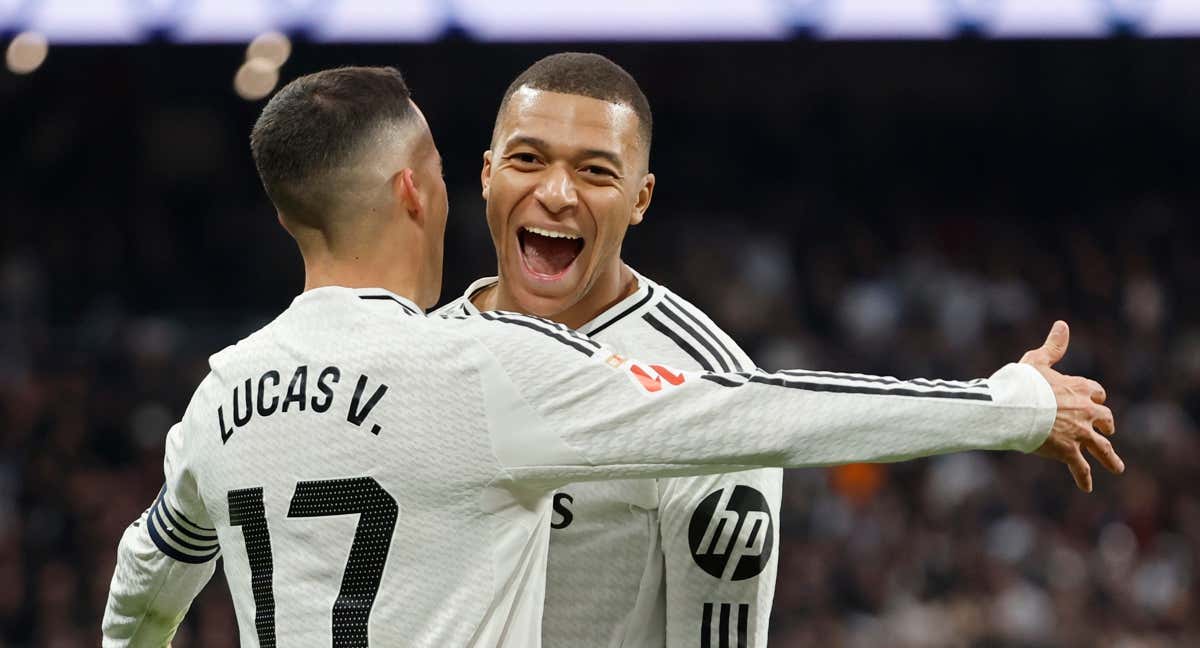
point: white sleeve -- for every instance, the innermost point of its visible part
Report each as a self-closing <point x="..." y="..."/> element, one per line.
<point x="720" y="542"/>
<point x="163" y="561"/>
<point x="563" y="408"/>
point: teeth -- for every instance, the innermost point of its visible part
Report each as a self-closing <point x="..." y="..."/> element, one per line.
<point x="550" y="233"/>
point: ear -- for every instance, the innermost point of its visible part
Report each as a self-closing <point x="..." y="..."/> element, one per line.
<point x="404" y="191"/>
<point x="485" y="174"/>
<point x="643" y="199"/>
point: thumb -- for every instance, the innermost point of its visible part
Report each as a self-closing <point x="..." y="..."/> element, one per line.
<point x="1056" y="343"/>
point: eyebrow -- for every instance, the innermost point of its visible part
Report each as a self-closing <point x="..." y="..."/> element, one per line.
<point x="541" y="144"/>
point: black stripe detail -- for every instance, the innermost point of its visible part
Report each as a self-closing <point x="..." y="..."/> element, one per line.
<point x="162" y="492"/>
<point x="553" y="327"/>
<point x="408" y="309"/>
<point x="723" y="380"/>
<point x="533" y="327"/>
<point x="172" y="552"/>
<point x="665" y="330"/>
<point x="952" y="384"/>
<point x="627" y="311"/>
<point x="742" y="624"/>
<point x="695" y="336"/>
<point x="723" y="627"/>
<point x="170" y="533"/>
<point x="779" y="381"/>
<point x="166" y="510"/>
<point x="706" y="626"/>
<point x="712" y="335"/>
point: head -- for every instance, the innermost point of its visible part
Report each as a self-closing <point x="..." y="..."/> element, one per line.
<point x="350" y="164"/>
<point x="566" y="175"/>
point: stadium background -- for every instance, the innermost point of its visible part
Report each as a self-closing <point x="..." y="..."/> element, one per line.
<point x="910" y="208"/>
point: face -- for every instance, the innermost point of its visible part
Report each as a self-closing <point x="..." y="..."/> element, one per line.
<point x="430" y="184"/>
<point x="564" y="181"/>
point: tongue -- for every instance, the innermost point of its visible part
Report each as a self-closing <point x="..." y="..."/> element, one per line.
<point x="549" y="256"/>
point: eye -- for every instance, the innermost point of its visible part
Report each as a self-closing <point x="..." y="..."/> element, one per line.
<point x="524" y="158"/>
<point x="599" y="170"/>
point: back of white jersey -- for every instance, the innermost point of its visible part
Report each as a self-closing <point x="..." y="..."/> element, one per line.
<point x="350" y="473"/>
<point x="373" y="476"/>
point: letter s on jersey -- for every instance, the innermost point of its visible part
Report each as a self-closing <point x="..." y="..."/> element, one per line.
<point x="731" y="533"/>
<point x="564" y="514"/>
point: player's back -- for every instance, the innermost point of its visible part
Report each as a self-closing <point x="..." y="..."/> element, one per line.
<point x="406" y="502"/>
<point x="342" y="455"/>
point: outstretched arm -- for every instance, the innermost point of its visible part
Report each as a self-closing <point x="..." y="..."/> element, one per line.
<point x="565" y="408"/>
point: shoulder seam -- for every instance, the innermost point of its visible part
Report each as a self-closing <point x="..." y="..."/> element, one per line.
<point x="554" y="331"/>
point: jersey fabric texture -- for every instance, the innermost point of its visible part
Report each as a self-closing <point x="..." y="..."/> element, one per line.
<point x="623" y="571"/>
<point x="374" y="476"/>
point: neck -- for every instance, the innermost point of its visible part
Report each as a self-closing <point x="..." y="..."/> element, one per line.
<point x="614" y="284"/>
<point x="364" y="268"/>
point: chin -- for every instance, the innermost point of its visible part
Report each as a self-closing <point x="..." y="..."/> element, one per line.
<point x="546" y="306"/>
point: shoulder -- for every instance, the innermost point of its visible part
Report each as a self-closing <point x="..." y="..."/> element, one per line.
<point x="668" y="322"/>
<point x="462" y="305"/>
<point x="514" y="331"/>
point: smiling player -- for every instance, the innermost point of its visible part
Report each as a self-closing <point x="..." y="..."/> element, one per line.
<point x="682" y="562"/>
<point x="397" y="490"/>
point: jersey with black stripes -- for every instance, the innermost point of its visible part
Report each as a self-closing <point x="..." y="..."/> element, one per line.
<point x="623" y="568"/>
<point x="369" y="476"/>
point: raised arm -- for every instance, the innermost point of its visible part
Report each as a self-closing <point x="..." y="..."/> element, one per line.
<point x="565" y="408"/>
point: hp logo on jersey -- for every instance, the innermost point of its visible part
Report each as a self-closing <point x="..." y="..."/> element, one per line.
<point x="732" y="534"/>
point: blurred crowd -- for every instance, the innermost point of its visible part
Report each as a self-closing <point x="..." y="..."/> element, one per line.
<point x="963" y="550"/>
<point x="842" y="234"/>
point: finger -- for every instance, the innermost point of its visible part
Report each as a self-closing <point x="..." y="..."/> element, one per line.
<point x="1097" y="392"/>
<point x="1080" y="470"/>
<point x="1102" y="449"/>
<point x="1056" y="342"/>
<point x="1103" y="421"/>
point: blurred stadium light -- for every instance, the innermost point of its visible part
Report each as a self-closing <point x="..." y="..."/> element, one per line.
<point x="26" y="53"/>
<point x="124" y="21"/>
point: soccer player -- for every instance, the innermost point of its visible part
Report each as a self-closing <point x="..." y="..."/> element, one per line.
<point x="370" y="475"/>
<point x="686" y="561"/>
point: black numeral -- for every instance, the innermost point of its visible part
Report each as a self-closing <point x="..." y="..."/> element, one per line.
<point x="246" y="510"/>
<point x="377" y="511"/>
<point x="372" y="537"/>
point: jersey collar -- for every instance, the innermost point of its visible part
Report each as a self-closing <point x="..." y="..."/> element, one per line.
<point x="370" y="295"/>
<point x="386" y="296"/>
<point x="645" y="292"/>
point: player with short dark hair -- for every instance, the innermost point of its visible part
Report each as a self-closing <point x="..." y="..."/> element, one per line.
<point x="686" y="561"/>
<point x="587" y="75"/>
<point x="370" y="475"/>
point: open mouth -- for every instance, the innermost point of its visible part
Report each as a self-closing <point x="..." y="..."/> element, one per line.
<point x="548" y="254"/>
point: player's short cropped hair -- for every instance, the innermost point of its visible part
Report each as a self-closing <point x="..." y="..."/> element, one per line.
<point x="587" y="75"/>
<point x="318" y="123"/>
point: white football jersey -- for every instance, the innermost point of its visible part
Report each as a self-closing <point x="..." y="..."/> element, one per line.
<point x="685" y="561"/>
<point x="370" y="475"/>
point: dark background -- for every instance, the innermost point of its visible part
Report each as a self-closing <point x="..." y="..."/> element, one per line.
<point x="916" y="209"/>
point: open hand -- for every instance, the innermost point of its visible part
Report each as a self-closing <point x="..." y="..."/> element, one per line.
<point x="1082" y="420"/>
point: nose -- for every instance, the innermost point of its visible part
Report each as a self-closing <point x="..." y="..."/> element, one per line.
<point x="556" y="191"/>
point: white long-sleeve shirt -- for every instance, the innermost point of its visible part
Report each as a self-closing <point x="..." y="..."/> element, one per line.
<point x="370" y="475"/>
<point x="679" y="562"/>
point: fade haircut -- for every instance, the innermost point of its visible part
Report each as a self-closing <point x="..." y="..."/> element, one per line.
<point x="586" y="75"/>
<point x="321" y="123"/>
